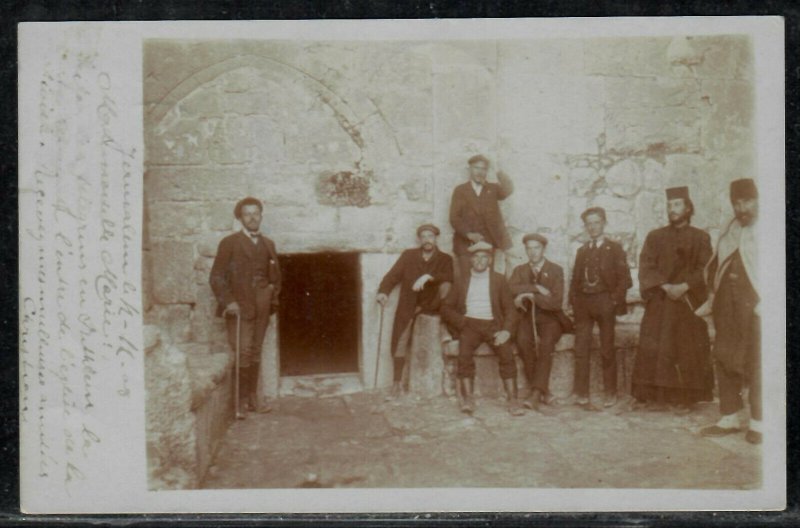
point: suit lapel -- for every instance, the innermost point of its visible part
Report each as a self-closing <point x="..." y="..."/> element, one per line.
<point x="247" y="245"/>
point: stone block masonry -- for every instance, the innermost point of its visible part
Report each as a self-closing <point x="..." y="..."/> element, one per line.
<point x="352" y="145"/>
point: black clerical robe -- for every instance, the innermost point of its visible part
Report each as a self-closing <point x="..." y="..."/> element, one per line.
<point x="673" y="361"/>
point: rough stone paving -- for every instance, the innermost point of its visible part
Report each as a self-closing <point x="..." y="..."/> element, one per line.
<point x="361" y="441"/>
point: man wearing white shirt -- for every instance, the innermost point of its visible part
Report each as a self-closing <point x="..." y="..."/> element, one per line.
<point x="478" y="310"/>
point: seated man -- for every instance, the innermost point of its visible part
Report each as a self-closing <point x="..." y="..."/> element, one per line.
<point x="538" y="283"/>
<point x="424" y="275"/>
<point x="480" y="309"/>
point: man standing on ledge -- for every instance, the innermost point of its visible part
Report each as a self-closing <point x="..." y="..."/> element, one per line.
<point x="424" y="275"/>
<point x="600" y="279"/>
<point x="673" y="364"/>
<point x="475" y="212"/>
<point x="478" y="310"/>
<point x="732" y="275"/>
<point x="538" y="285"/>
<point x="246" y="281"/>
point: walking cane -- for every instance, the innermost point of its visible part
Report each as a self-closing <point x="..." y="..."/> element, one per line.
<point x="239" y="415"/>
<point x="378" y="354"/>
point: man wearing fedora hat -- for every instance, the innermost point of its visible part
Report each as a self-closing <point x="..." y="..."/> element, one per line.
<point x="246" y="280"/>
<point x="475" y="211"/>
<point x="480" y="309"/>
<point x="732" y="276"/>
<point x="538" y="285"/>
<point x="424" y="275"/>
<point x="673" y="363"/>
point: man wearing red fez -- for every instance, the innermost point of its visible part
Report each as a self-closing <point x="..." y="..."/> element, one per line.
<point x="424" y="275"/>
<point x="673" y="363"/>
<point x="732" y="276"/>
<point x="475" y="211"/>
<point x="537" y="285"/>
<point x="246" y="281"/>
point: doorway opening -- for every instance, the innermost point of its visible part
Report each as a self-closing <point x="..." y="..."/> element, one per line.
<point x="319" y="314"/>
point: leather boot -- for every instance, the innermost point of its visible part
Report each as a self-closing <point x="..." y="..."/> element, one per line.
<point x="514" y="407"/>
<point x="533" y="399"/>
<point x="467" y="398"/>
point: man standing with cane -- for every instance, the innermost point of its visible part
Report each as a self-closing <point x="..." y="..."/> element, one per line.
<point x="246" y="280"/>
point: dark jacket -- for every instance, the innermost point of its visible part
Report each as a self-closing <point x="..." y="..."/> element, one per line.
<point x="503" y="310"/>
<point x="470" y="213"/>
<point x="232" y="275"/>
<point x="614" y="272"/>
<point x="548" y="307"/>
<point x="405" y="272"/>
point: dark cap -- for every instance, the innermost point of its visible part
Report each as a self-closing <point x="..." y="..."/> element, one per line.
<point x="599" y="211"/>
<point x="237" y="211"/>
<point x="678" y="192"/>
<point x="534" y="236"/>
<point x="477" y="158"/>
<point x="428" y="227"/>
<point x="744" y="189"/>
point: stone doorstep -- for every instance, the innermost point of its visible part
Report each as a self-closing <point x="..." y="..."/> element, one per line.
<point x="320" y="385"/>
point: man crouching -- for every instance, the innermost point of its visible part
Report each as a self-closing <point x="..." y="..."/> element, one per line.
<point x="478" y="310"/>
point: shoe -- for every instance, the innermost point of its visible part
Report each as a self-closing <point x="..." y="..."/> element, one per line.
<point x="753" y="437"/>
<point x="610" y="400"/>
<point x="396" y="392"/>
<point x="715" y="431"/>
<point x="533" y="399"/>
<point x="514" y="407"/>
<point x="582" y="401"/>
<point x="467" y="399"/>
<point x="682" y="410"/>
<point x="656" y="407"/>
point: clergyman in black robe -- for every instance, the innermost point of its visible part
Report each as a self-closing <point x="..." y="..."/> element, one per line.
<point x="673" y="364"/>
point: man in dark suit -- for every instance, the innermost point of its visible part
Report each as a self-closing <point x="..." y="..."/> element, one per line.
<point x="478" y="310"/>
<point x="246" y="280"/>
<point x="539" y="285"/>
<point x="600" y="280"/>
<point x="475" y="212"/>
<point x="424" y="275"/>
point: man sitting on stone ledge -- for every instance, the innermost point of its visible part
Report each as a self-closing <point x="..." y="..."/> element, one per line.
<point x="540" y="283"/>
<point x="480" y="309"/>
<point x="424" y="275"/>
<point x="246" y="280"/>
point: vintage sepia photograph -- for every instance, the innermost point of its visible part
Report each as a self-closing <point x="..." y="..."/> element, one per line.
<point x="474" y="263"/>
<point x="376" y="266"/>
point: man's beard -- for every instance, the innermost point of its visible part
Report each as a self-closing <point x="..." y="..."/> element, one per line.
<point x="428" y="246"/>
<point x="679" y="219"/>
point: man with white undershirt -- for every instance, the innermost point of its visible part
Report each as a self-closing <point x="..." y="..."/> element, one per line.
<point x="480" y="309"/>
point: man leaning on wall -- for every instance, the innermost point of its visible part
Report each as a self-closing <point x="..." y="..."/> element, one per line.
<point x="246" y="280"/>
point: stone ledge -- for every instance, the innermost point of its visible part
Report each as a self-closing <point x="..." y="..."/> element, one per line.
<point x="206" y="373"/>
<point x="626" y="336"/>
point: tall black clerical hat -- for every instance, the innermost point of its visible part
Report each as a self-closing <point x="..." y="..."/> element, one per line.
<point x="678" y="192"/>
<point x="744" y="189"/>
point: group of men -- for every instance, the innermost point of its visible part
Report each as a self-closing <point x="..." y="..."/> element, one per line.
<point x="681" y="280"/>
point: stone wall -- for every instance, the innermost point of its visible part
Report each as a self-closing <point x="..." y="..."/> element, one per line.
<point x="352" y="145"/>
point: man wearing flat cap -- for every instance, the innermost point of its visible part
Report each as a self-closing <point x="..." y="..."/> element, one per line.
<point x="732" y="276"/>
<point x="537" y="285"/>
<point x="475" y="211"/>
<point x="246" y="280"/>
<point x="424" y="275"/>
<point x="600" y="280"/>
<point x="673" y="363"/>
<point x="480" y="309"/>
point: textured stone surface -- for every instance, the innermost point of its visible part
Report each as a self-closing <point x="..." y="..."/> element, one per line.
<point x="358" y="441"/>
<point x="426" y="361"/>
<point x="574" y="122"/>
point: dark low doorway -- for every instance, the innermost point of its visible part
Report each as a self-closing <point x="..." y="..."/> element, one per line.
<point x="319" y="314"/>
